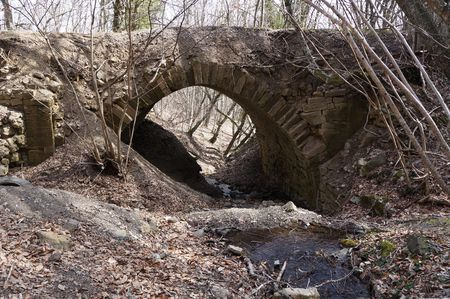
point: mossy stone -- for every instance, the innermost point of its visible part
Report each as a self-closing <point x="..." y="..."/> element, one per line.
<point x="348" y="243"/>
<point x="386" y="247"/>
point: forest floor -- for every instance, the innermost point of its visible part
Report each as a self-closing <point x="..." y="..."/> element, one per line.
<point x="150" y="237"/>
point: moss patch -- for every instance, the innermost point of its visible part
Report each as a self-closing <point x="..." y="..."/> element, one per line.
<point x="386" y="247"/>
<point x="348" y="243"/>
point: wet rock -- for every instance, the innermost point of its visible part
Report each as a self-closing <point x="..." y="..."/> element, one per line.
<point x="297" y="293"/>
<point x="236" y="250"/>
<point x="417" y="244"/>
<point x="55" y="240"/>
<point x="13" y="181"/>
<point x="219" y="292"/>
<point x="290" y="207"/>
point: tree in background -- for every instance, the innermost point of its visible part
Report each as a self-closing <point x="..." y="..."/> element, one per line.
<point x="7" y="14"/>
<point x="134" y="14"/>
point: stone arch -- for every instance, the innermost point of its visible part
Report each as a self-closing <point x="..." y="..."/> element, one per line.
<point x="302" y="117"/>
<point x="292" y="150"/>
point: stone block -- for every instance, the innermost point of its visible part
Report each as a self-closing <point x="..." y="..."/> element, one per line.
<point x="298" y="128"/>
<point x="314" y="118"/>
<point x="278" y="105"/>
<point x="197" y="70"/>
<point x="313" y="146"/>
<point x="318" y="100"/>
<point x="239" y="85"/>
<point x="336" y="92"/>
<point x="205" y="73"/>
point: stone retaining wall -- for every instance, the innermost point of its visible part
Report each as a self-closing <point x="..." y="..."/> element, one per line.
<point x="30" y="116"/>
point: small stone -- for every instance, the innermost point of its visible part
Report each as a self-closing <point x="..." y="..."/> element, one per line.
<point x="55" y="257"/>
<point x="290" y="207"/>
<point x="72" y="225"/>
<point x="236" y="250"/>
<point x="355" y="199"/>
<point x="55" y="240"/>
<point x="61" y="287"/>
<point x="297" y="293"/>
<point x="348" y="243"/>
<point x="4" y="151"/>
<point x="16" y="120"/>
<point x="171" y="219"/>
<point x="219" y="292"/>
<point x="14" y="157"/>
<point x="148" y="227"/>
<point x="417" y="244"/>
<point x="4" y="169"/>
<point x="12" y="146"/>
<point x="38" y="75"/>
<point x="199" y="233"/>
<point x="120" y="234"/>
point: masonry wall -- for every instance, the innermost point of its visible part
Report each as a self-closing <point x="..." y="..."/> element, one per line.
<point x="30" y="117"/>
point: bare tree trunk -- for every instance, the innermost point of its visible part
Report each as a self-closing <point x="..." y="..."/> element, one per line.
<point x="220" y="123"/>
<point x="213" y="102"/>
<point x="8" y="14"/>
<point x="237" y="133"/>
<point x="117" y="15"/>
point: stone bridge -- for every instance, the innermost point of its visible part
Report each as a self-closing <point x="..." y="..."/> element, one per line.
<point x="303" y="113"/>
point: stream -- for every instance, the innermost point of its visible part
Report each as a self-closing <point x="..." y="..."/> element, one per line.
<point x="312" y="258"/>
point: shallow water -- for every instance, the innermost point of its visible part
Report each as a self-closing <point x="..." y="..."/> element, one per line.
<point x="312" y="258"/>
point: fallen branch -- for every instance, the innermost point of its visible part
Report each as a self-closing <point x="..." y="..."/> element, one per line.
<point x="283" y="268"/>
<point x="335" y="280"/>
<point x="7" y="277"/>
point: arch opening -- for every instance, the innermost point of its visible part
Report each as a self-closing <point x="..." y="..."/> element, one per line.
<point x="206" y="140"/>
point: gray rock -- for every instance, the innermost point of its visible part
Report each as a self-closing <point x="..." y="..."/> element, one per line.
<point x="236" y="250"/>
<point x="13" y="181"/>
<point x="290" y="207"/>
<point x="417" y="244"/>
<point x="55" y="240"/>
<point x="7" y="131"/>
<point x="297" y="293"/>
<point x="219" y="292"/>
<point x="38" y="75"/>
<point x="199" y="233"/>
<point x="71" y="225"/>
<point x="171" y="219"/>
<point x="120" y="234"/>
<point x="4" y="169"/>
<point x="4" y="151"/>
<point x="148" y="227"/>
